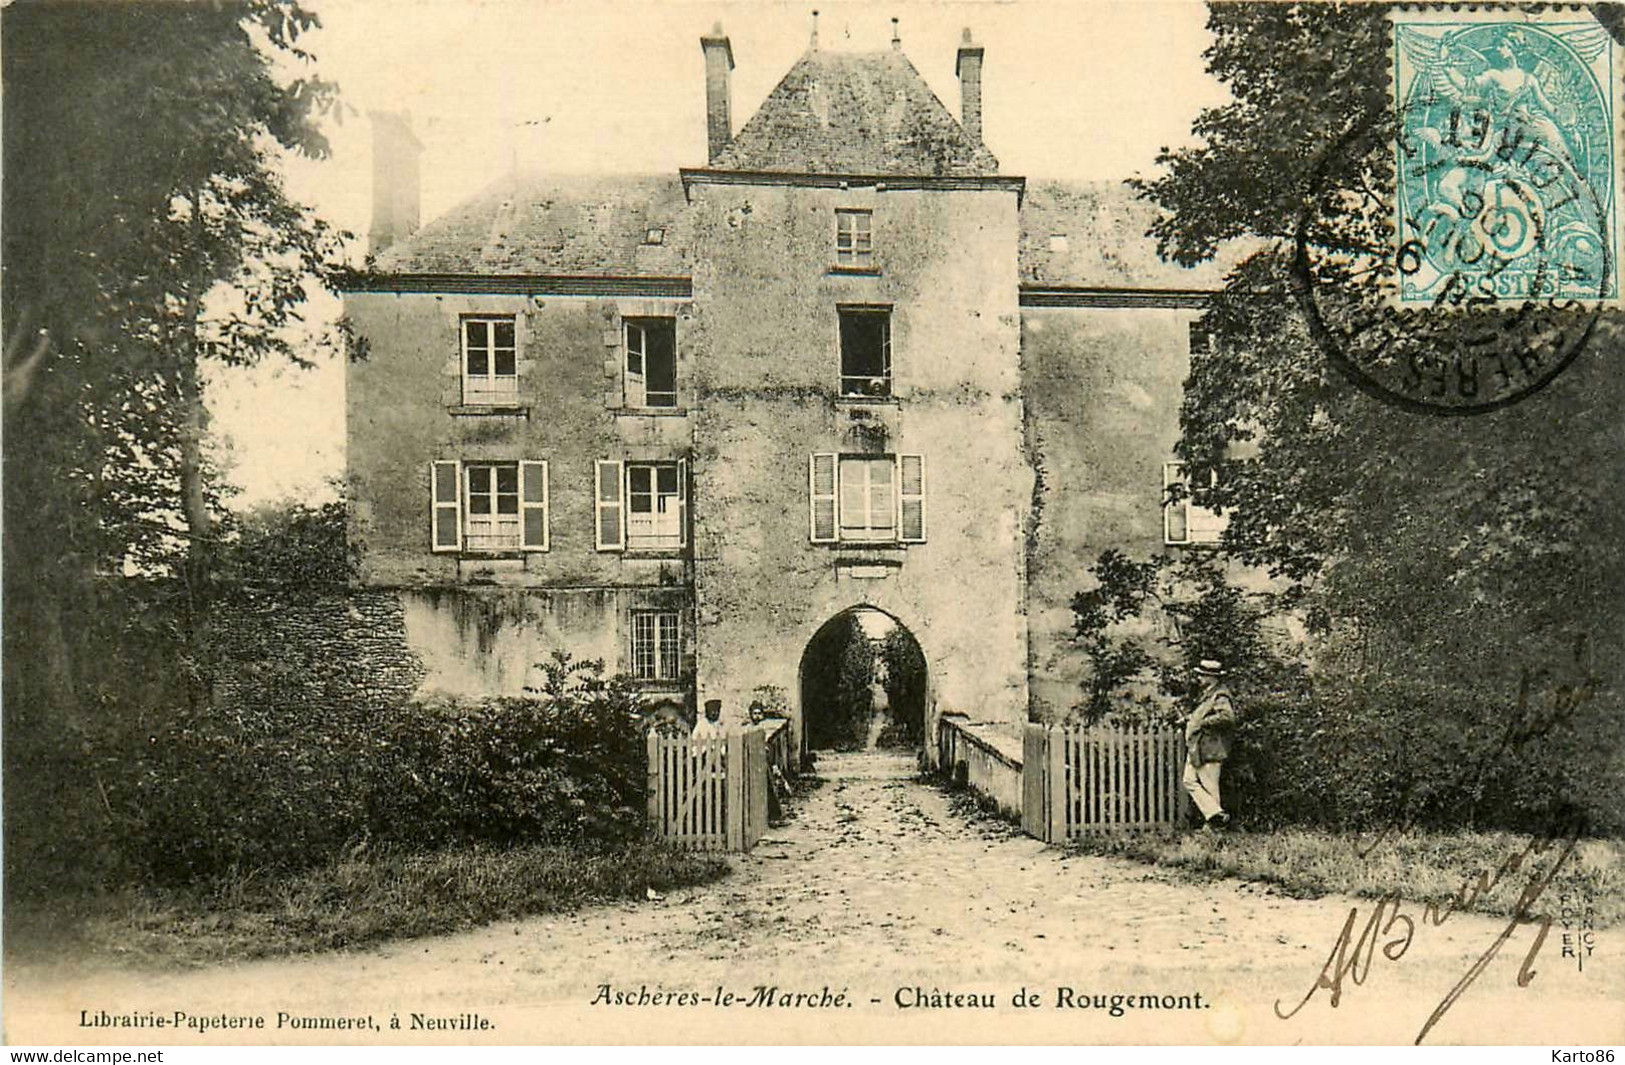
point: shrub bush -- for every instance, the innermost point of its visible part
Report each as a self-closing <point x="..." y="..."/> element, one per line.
<point x="280" y="784"/>
<point x="1388" y="751"/>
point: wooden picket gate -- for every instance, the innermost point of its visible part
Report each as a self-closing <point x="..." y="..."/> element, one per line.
<point x="708" y="794"/>
<point x="1085" y="781"/>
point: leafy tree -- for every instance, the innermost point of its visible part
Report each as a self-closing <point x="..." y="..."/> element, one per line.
<point x="1462" y="549"/>
<point x="292" y="550"/>
<point x="146" y="235"/>
<point x="1146" y="625"/>
<point x="152" y="235"/>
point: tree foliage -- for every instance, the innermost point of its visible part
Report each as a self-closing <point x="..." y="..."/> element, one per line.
<point x="1146" y="625"/>
<point x="152" y="234"/>
<point x="146" y="234"/>
<point x="1459" y="548"/>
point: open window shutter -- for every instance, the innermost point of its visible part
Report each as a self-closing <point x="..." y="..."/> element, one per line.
<point x="911" y="498"/>
<point x="445" y="506"/>
<point x="1175" y="516"/>
<point x="533" y="521"/>
<point x="682" y="502"/>
<point x="610" y="528"/>
<point x="636" y="366"/>
<point x="821" y="497"/>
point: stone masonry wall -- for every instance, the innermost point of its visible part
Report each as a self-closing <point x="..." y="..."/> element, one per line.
<point x="334" y="650"/>
<point x="766" y="350"/>
<point x="1103" y="388"/>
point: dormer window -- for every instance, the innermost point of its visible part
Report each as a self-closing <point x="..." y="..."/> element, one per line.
<point x="854" y="240"/>
<point x="490" y="361"/>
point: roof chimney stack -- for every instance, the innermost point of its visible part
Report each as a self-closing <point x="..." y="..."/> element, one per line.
<point x="968" y="68"/>
<point x="719" y="61"/>
<point x="896" y="38"/>
<point x="812" y="42"/>
<point x="396" y="187"/>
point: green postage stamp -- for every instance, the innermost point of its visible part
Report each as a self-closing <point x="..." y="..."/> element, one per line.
<point x="1507" y="157"/>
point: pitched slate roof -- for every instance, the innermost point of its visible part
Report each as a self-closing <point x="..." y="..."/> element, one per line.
<point x="592" y="226"/>
<point x="597" y="226"/>
<point x="1093" y="234"/>
<point x="855" y="113"/>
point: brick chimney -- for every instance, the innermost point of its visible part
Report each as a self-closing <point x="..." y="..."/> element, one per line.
<point x="396" y="187"/>
<point x="719" y="60"/>
<point x="968" y="68"/>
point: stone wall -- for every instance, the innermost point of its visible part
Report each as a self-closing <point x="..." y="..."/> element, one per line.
<point x="403" y="411"/>
<point x="379" y="648"/>
<point x="334" y="650"/>
<point x="1103" y="390"/>
<point x="766" y="351"/>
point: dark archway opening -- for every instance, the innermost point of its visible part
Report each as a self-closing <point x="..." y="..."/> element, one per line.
<point x="863" y="684"/>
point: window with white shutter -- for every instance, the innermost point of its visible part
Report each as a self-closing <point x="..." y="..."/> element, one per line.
<point x="445" y="506"/>
<point x="1183" y="522"/>
<point x="610" y="505"/>
<point x="866" y="498"/>
<point x="821" y="496"/>
<point x="488" y="506"/>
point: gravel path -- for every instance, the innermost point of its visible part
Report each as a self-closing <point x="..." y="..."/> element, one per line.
<point x="878" y="892"/>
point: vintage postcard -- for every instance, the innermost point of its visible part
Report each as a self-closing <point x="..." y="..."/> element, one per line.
<point x="539" y="522"/>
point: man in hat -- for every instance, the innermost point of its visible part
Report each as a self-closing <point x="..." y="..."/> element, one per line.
<point x="1207" y="743"/>
<point x="710" y="726"/>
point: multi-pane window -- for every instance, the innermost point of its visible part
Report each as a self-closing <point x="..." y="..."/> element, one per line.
<point x="490" y="361"/>
<point x="866" y="498"/>
<point x="1183" y="522"/>
<point x="654" y="512"/>
<point x="865" y="351"/>
<point x="641" y="506"/>
<point x="854" y="239"/>
<point x="651" y="362"/>
<point x="492" y="522"/>
<point x="488" y="506"/>
<point x="655" y="645"/>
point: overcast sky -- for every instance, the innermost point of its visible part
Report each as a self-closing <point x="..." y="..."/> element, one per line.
<point x="1081" y="90"/>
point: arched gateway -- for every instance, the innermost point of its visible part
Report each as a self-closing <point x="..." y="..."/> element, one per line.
<point x="863" y="684"/>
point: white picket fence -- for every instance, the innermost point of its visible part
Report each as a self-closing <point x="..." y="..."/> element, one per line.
<point x="1088" y="781"/>
<point x="709" y="794"/>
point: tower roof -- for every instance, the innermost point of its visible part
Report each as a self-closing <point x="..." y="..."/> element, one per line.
<point x="855" y="113"/>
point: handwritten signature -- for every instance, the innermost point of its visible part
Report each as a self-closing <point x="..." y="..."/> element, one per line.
<point x="1354" y="952"/>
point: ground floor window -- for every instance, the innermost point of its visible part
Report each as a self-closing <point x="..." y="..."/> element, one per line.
<point x="655" y="645"/>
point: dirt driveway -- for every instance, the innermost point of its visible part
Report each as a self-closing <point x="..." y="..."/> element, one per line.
<point x="881" y="895"/>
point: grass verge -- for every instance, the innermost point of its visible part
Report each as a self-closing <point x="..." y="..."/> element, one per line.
<point x="351" y="903"/>
<point x="1415" y="866"/>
